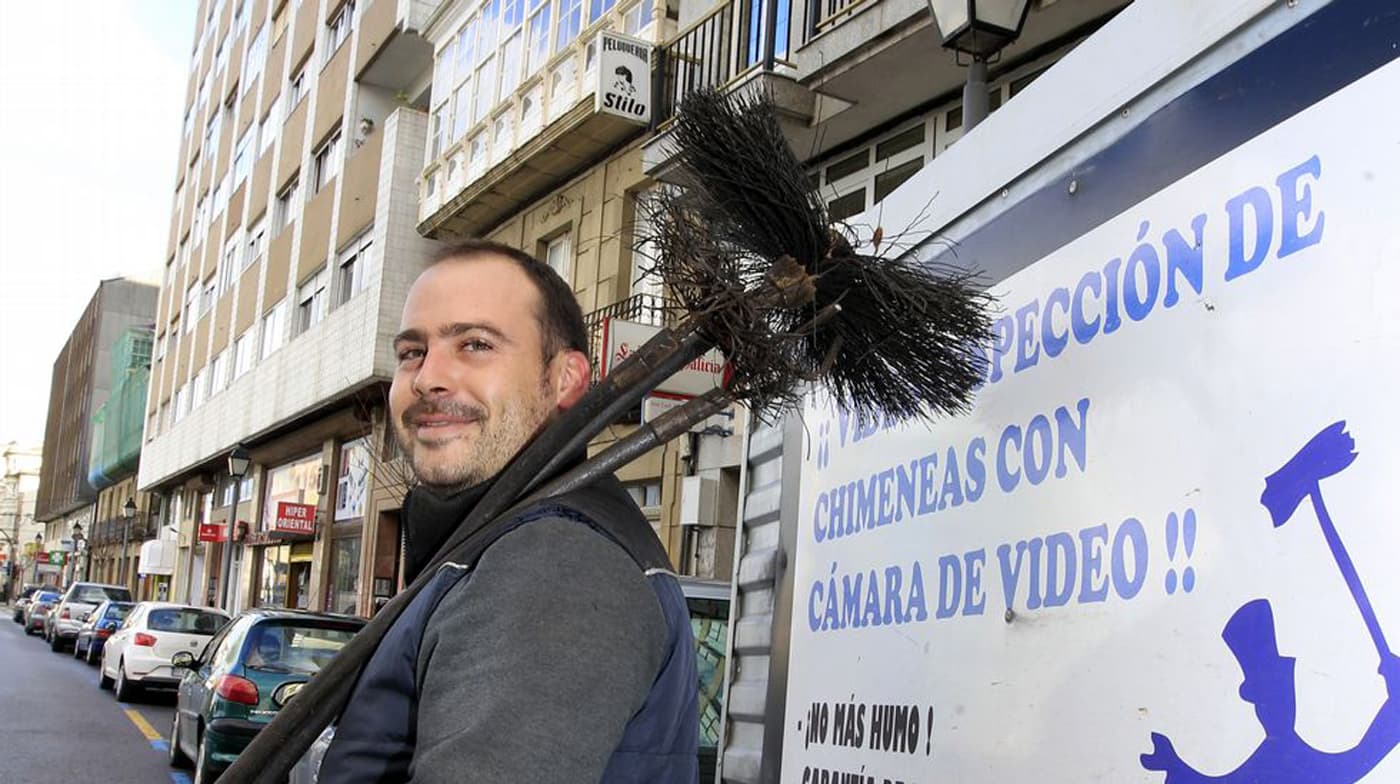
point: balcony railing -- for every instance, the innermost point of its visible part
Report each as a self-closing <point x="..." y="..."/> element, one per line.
<point x="826" y="14"/>
<point x="641" y="308"/>
<point x="716" y="49"/>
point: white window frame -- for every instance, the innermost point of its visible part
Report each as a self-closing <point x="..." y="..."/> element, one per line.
<point x="243" y="156"/>
<point x="559" y="255"/>
<point x="339" y="27"/>
<point x="254" y="243"/>
<point x="274" y="333"/>
<point x="228" y="263"/>
<point x="286" y="206"/>
<point x="208" y="295"/>
<point x="313" y="301"/>
<point x="191" y="306"/>
<point x="245" y="352"/>
<point x="351" y="270"/>
<point x="296" y="89"/>
<point x="219" y="376"/>
<point x="201" y="388"/>
<point x="326" y="164"/>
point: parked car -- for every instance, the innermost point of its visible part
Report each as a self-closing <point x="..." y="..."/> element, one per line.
<point x="100" y="625"/>
<point x="137" y="655"/>
<point x="37" y="610"/>
<point x="82" y="598"/>
<point x="25" y="594"/>
<point x="243" y="677"/>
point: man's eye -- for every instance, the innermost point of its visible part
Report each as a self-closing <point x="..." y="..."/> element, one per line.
<point x="476" y="345"/>
<point x="410" y="354"/>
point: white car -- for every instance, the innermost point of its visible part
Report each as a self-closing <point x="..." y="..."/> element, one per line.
<point x="137" y="655"/>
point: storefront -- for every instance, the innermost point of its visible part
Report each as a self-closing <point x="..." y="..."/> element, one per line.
<point x="284" y="546"/>
<point x="347" y="532"/>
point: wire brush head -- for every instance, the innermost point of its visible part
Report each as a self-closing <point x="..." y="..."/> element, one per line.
<point x="749" y="250"/>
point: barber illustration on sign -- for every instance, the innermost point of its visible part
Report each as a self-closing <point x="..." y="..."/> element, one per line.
<point x="1283" y="756"/>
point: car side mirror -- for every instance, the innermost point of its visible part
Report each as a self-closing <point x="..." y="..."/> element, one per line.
<point x="110" y="626"/>
<point x="286" y="692"/>
<point x="183" y="660"/>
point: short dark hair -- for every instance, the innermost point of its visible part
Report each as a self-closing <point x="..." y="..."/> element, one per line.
<point x="559" y="314"/>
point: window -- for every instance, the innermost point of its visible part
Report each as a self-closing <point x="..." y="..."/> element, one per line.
<point x="538" y="35"/>
<point x="437" y="140"/>
<point x="221" y="55"/>
<point x="350" y="271"/>
<point x="296" y="89"/>
<point x="191" y="306"/>
<point x="327" y="163"/>
<point x="182" y="402"/>
<point x="243" y="157"/>
<point x="267" y="129"/>
<point x="637" y="18"/>
<point x="596" y="9"/>
<point x="245" y="490"/>
<point x="255" y="59"/>
<point x="243" y="356"/>
<point x="218" y="198"/>
<point x="284" y="211"/>
<point x="255" y="243"/>
<point x="501" y="142"/>
<point x="570" y="17"/>
<point x="338" y="29"/>
<point x="485" y="90"/>
<point x="531" y="114"/>
<point x="228" y="265"/>
<point x="312" y="304"/>
<point x="211" y="131"/>
<point x="219" y="377"/>
<point x="646" y="495"/>
<point x="160" y="346"/>
<point x="201" y="388"/>
<point x="486" y="40"/>
<point x="558" y="255"/>
<point x="461" y="118"/>
<point x="197" y="222"/>
<point x="273" y="333"/>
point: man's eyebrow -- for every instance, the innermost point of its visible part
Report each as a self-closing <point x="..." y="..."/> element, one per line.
<point x="410" y="335"/>
<point x="459" y="328"/>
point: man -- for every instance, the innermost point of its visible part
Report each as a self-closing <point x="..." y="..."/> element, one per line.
<point x="564" y="652"/>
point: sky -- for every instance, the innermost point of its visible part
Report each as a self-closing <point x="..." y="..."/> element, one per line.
<point x="91" y="101"/>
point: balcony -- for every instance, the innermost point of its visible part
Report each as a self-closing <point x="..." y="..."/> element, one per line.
<point x="490" y="157"/>
<point x="641" y="308"/>
<point x="392" y="53"/>
<point x="741" y="45"/>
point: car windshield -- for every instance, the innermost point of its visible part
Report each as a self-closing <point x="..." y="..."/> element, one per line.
<point x="185" y="620"/>
<point x="96" y="594"/>
<point x="117" y="612"/>
<point x="47" y="597"/>
<point x="288" y="648"/>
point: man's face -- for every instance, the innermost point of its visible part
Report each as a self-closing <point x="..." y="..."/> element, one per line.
<point x="472" y="386"/>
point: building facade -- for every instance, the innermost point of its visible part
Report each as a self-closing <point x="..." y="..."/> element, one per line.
<point x="292" y="246"/>
<point x="21" y="535"/>
<point x="81" y="383"/>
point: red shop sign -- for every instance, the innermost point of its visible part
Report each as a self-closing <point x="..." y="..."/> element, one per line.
<point x="211" y="532"/>
<point x="295" y="519"/>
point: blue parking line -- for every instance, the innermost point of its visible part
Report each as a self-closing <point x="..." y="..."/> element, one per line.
<point x="160" y="745"/>
<point x="178" y="777"/>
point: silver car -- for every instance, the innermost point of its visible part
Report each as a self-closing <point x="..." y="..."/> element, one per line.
<point x="67" y="618"/>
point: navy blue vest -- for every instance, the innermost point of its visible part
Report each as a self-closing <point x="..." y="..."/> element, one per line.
<point x="376" y="735"/>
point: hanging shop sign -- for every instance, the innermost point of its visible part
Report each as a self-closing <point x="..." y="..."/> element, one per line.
<point x="296" y="519"/>
<point x="624" y="78"/>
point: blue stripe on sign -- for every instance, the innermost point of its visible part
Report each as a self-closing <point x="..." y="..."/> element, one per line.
<point x="1320" y="55"/>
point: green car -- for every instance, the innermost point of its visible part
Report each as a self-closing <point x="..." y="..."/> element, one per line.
<point x="244" y="675"/>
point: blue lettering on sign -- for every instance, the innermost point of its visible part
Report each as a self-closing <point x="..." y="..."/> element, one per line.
<point x="1262" y="222"/>
<point x="947" y="478"/>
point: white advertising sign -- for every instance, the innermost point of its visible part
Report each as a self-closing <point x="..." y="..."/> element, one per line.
<point x="621" y="338"/>
<point x="624" y="78"/>
<point x="1162" y="546"/>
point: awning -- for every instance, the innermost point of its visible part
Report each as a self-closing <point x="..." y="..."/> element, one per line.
<point x="157" y="557"/>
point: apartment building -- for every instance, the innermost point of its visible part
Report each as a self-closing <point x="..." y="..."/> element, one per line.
<point x="20" y="536"/>
<point x="292" y="244"/>
<point x="526" y="147"/>
<point x="123" y="522"/>
<point x="81" y="382"/>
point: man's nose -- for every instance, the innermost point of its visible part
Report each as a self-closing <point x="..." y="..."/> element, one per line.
<point x="434" y="376"/>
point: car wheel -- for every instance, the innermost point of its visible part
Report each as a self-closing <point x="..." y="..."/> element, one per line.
<point x="90" y="656"/>
<point x="126" y="690"/>
<point x="103" y="682"/>
<point x="56" y="643"/>
<point x="77" y="651"/>
<point x="204" y="772"/>
<point x="176" y="757"/>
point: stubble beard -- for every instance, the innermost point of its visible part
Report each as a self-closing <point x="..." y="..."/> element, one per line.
<point x="466" y="461"/>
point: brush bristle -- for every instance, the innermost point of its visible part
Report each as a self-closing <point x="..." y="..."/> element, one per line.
<point x="889" y="337"/>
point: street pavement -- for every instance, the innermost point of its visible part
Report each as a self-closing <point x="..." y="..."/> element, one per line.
<point x="57" y="727"/>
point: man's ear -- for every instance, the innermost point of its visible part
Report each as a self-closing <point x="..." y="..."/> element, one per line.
<point x="572" y="374"/>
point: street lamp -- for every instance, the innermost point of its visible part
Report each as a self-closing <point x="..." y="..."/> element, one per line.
<point x="79" y="542"/>
<point x="979" y="29"/>
<point x="238" y="461"/>
<point x="128" y="513"/>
